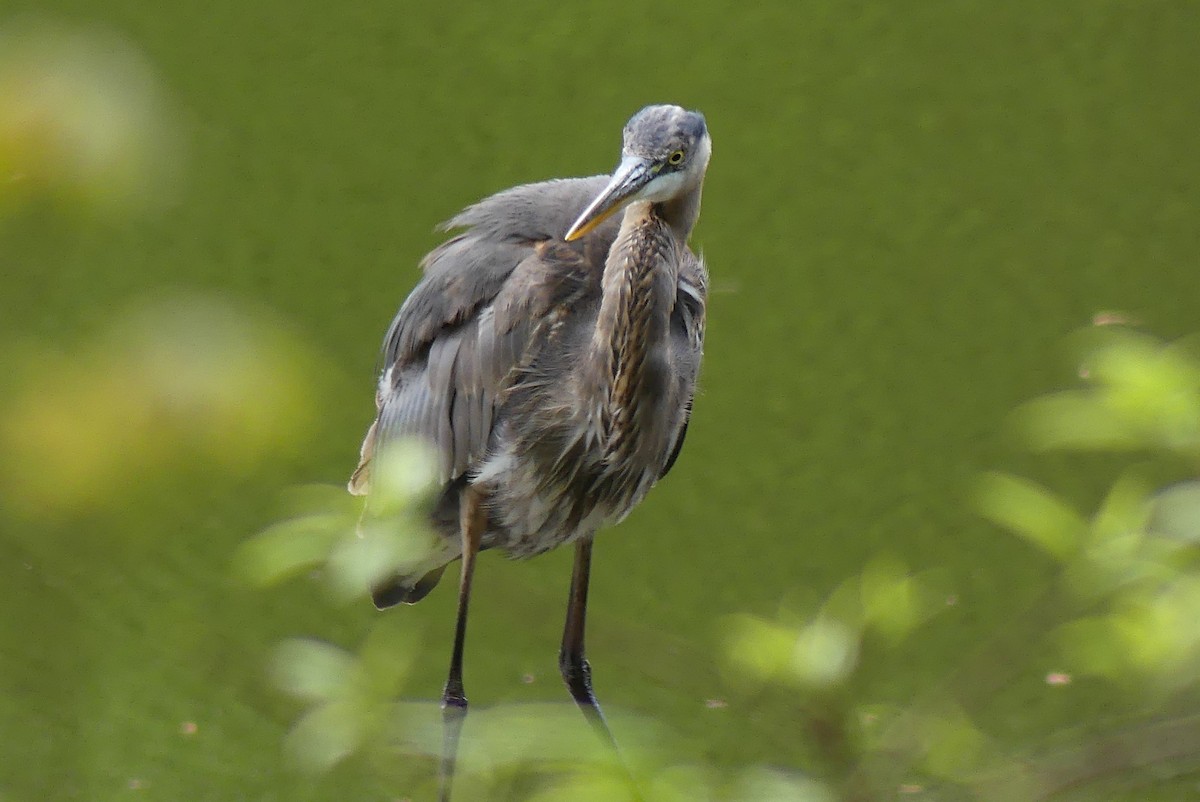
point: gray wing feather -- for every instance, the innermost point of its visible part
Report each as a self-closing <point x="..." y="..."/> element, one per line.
<point x="530" y="212"/>
<point x="468" y="324"/>
<point x="468" y="270"/>
<point x="687" y="328"/>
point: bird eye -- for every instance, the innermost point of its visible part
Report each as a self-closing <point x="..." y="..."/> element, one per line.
<point x="675" y="158"/>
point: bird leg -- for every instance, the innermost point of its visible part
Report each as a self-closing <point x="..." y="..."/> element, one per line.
<point x="472" y="522"/>
<point x="576" y="672"/>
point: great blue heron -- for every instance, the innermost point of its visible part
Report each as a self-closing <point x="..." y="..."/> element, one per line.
<point x="549" y="356"/>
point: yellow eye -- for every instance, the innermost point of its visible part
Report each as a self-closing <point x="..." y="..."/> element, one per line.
<point x="675" y="158"/>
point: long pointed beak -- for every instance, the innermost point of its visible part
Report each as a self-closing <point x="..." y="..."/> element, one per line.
<point x="632" y="174"/>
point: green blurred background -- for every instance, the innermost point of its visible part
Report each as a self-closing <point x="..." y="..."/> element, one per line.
<point x="909" y="206"/>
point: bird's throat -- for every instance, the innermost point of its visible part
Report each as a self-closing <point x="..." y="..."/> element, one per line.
<point x="638" y="292"/>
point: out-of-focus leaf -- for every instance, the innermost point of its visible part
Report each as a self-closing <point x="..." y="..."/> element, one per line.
<point x="174" y="380"/>
<point x="817" y="654"/>
<point x="1116" y="553"/>
<point x="587" y="786"/>
<point x="287" y="548"/>
<point x="1031" y="512"/>
<point x="360" y="563"/>
<point x="844" y="603"/>
<point x="893" y="602"/>
<point x="772" y="785"/>
<point x="84" y="122"/>
<point x="1175" y="512"/>
<point x="953" y="744"/>
<point x="415" y="727"/>
<point x="608" y="781"/>
<point x="1093" y="645"/>
<point x="353" y="695"/>
<point x="758" y="650"/>
<point x="300" y="501"/>
<point x="530" y="734"/>
<point x="1162" y="631"/>
<point x="825" y="653"/>
<point x="393" y="535"/>
<point x="312" y="669"/>
<point x="387" y="656"/>
<point x="1116" y="562"/>
<point x="1075" y="419"/>
<point x="379" y="549"/>
<point x="1153" y="387"/>
<point x="681" y="784"/>
<point x="402" y="473"/>
<point x="1152" y="634"/>
<point x="1124" y="509"/>
<point x="326" y="735"/>
<point x="1141" y="393"/>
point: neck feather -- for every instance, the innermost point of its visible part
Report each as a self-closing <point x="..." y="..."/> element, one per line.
<point x="639" y="282"/>
<point x="681" y="213"/>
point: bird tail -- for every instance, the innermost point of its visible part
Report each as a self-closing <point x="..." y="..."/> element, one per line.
<point x="416" y="579"/>
<point x="359" y="482"/>
<point x="408" y="589"/>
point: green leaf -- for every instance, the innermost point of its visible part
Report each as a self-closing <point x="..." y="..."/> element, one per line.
<point x="289" y="548"/>
<point x="312" y="669"/>
<point x="1094" y="645"/>
<point x="1076" y="420"/>
<point x="325" y="736"/>
<point x="953" y="744"/>
<point x="1031" y="512"/>
<point x="763" y="784"/>
<point x="387" y="656"/>
<point x="588" y="786"/>
<point x="1154" y="388"/>
<point x="757" y="649"/>
<point x="825" y="653"/>
<point x="1175" y="512"/>
<point x="893" y="602"/>
<point x="401" y="474"/>
<point x="377" y="550"/>
<point x="1123" y="511"/>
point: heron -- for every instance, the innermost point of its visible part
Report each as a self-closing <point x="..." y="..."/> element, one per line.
<point x="549" y="357"/>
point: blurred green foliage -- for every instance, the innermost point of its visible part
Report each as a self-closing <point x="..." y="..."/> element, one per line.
<point x="907" y="208"/>
<point x="1126" y="608"/>
<point x="360" y="546"/>
<point x="185" y="377"/>
<point x="84" y="123"/>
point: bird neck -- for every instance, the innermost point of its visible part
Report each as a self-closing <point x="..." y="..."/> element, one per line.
<point x="681" y="213"/>
<point x="640" y="275"/>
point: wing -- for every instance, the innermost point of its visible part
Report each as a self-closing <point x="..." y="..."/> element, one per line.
<point x="471" y="321"/>
<point x="687" y="338"/>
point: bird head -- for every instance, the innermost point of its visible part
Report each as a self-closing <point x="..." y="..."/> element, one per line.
<point x="664" y="154"/>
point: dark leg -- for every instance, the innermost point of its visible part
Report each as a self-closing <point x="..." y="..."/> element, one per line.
<point x="574" y="666"/>
<point x="472" y="522"/>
